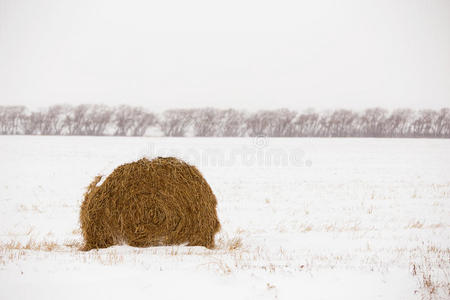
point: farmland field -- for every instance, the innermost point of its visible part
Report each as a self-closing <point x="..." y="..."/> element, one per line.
<point x="301" y="218"/>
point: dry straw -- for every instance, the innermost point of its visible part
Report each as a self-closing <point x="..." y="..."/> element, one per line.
<point x="163" y="201"/>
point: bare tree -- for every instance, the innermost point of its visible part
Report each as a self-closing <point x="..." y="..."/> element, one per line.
<point x="398" y="124"/>
<point x="428" y="119"/>
<point x="257" y="123"/>
<point x="53" y="122"/>
<point x="11" y="119"/>
<point x="307" y="124"/>
<point x="281" y="123"/>
<point x="324" y="125"/>
<point x="443" y="123"/>
<point x="32" y="123"/>
<point x="176" y="122"/>
<point x="123" y="120"/>
<point x="142" y="121"/>
<point x="206" y="121"/>
<point x="75" y="118"/>
<point x="417" y="125"/>
<point x="39" y="121"/>
<point x="373" y="121"/>
<point x="135" y="121"/>
<point x="232" y="123"/>
<point x="96" y="119"/>
<point x="342" y="123"/>
<point x="3" y="122"/>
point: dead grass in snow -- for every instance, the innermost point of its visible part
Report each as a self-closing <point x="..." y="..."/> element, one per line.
<point x="431" y="268"/>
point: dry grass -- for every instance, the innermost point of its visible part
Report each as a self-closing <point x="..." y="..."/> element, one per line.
<point x="437" y="225"/>
<point x="41" y="245"/>
<point x="334" y="227"/>
<point x="15" y="250"/>
<point x="107" y="258"/>
<point x="224" y="242"/>
<point x="36" y="209"/>
<point x="76" y="231"/>
<point x="29" y="231"/>
<point x="74" y="244"/>
<point x="422" y="225"/>
<point x="220" y="267"/>
<point x="432" y="270"/>
<point x="234" y="244"/>
<point x="22" y="208"/>
<point x="31" y="245"/>
<point x="11" y="256"/>
<point x="111" y="258"/>
<point x="306" y="228"/>
<point x="11" y="245"/>
<point x="431" y="265"/>
<point x="173" y="251"/>
<point x="416" y="224"/>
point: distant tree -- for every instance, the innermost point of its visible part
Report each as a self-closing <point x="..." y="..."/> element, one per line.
<point x="281" y="123"/>
<point x="123" y="120"/>
<point x="429" y="118"/>
<point x="132" y="121"/>
<point x="232" y="123"/>
<point x="417" y="125"/>
<point x="176" y="122"/>
<point x="3" y="118"/>
<point x="53" y="122"/>
<point x="257" y="123"/>
<point x="32" y="123"/>
<point x="96" y="119"/>
<point x="306" y="124"/>
<point x="341" y="123"/>
<point x="11" y="119"/>
<point x="142" y="121"/>
<point x="443" y="123"/>
<point x="75" y="120"/>
<point x="398" y="124"/>
<point x="373" y="121"/>
<point x="126" y="120"/>
<point x="206" y="121"/>
<point x="324" y="124"/>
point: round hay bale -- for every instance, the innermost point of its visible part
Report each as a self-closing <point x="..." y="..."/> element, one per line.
<point x="163" y="201"/>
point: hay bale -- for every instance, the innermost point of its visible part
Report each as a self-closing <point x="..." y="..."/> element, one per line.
<point x="164" y="201"/>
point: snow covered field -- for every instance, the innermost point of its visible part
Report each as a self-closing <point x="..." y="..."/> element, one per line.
<point x="301" y="219"/>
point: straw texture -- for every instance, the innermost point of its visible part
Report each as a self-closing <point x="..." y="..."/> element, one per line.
<point x="163" y="201"/>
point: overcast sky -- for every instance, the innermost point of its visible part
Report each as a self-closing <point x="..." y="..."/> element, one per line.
<point x="241" y="54"/>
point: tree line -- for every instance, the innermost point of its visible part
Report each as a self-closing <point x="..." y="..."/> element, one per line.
<point x="124" y="120"/>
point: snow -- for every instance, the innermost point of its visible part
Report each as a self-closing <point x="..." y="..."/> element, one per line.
<point x="317" y="219"/>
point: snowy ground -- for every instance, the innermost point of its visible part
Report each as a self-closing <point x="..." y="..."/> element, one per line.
<point x="301" y="218"/>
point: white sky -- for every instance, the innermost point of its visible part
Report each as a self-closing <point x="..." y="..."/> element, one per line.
<point x="242" y="54"/>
